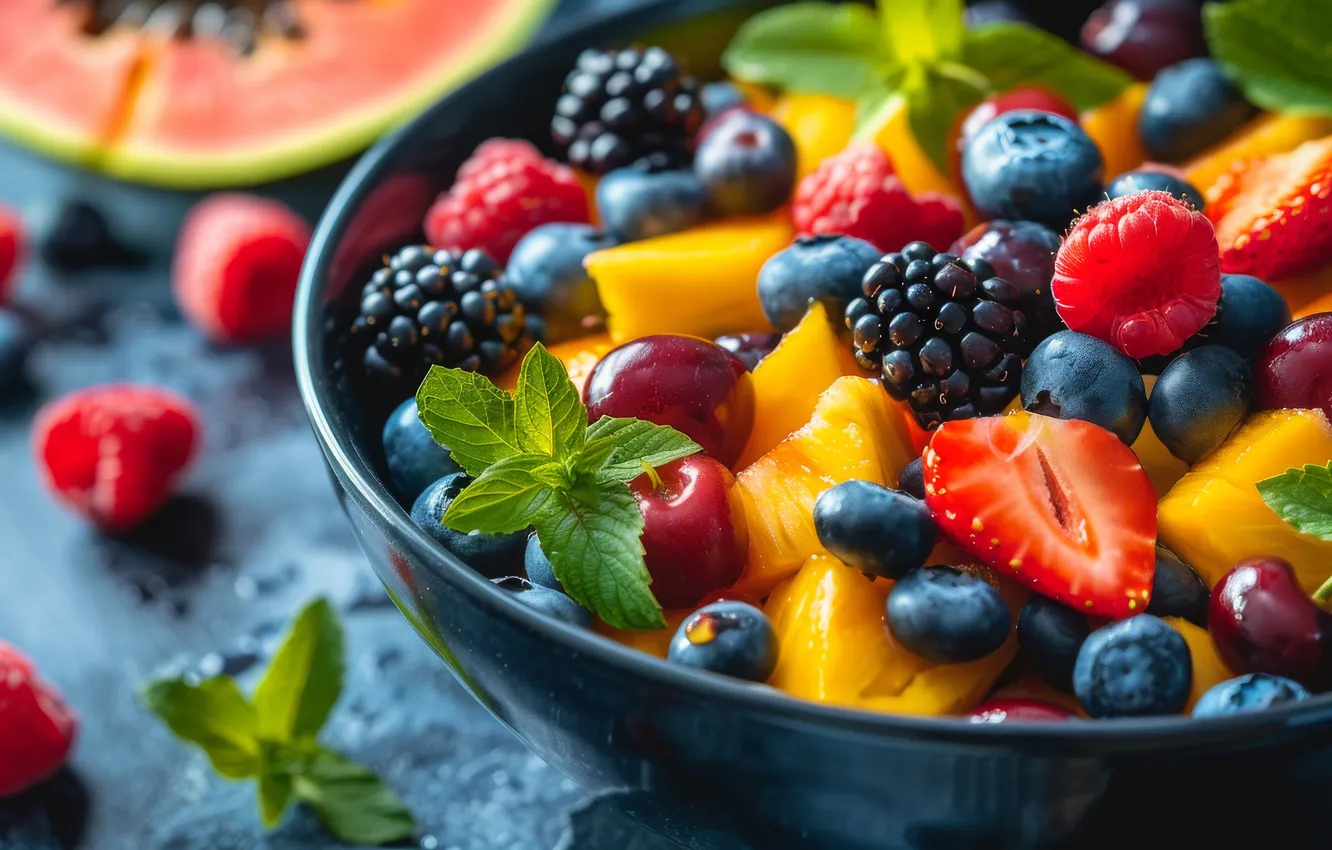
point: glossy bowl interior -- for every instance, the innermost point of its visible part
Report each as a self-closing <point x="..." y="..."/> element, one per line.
<point x="704" y="760"/>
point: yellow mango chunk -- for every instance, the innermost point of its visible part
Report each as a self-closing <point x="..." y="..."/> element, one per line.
<point x="1321" y="305"/>
<point x="701" y="281"/>
<point x="579" y="356"/>
<point x="1265" y="135"/>
<point x="836" y="648"/>
<point x="855" y="432"/>
<point x="1113" y="126"/>
<point x="1303" y="293"/>
<point x="656" y="642"/>
<point x="788" y="382"/>
<point x="1214" y="517"/>
<point x="819" y="124"/>
<point x="1160" y="465"/>
<point x="1208" y="669"/>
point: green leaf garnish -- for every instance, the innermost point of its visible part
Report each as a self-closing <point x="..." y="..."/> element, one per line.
<point x="555" y="473"/>
<point x="1303" y="498"/>
<point x="917" y="52"/>
<point x="1278" y="51"/>
<point x="271" y="738"/>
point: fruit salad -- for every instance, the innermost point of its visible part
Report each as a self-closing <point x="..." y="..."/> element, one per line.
<point x="888" y="375"/>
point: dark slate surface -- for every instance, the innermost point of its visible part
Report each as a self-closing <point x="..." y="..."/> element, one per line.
<point x="209" y="584"/>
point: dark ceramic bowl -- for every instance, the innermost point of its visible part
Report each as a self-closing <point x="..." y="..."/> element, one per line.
<point x="712" y="762"/>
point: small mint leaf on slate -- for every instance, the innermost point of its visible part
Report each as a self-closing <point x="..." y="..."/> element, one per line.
<point x="352" y="802"/>
<point x="808" y="47"/>
<point x="550" y="414"/>
<point x="274" y="795"/>
<point x="304" y="679"/>
<point x="505" y="497"/>
<point x="215" y="716"/>
<point x="638" y="442"/>
<point x="1303" y="498"/>
<point x="468" y="415"/>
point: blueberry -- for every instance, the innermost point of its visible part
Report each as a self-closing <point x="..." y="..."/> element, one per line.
<point x="750" y="348"/>
<point x="1199" y="400"/>
<point x="1034" y="166"/>
<point x="912" y="479"/>
<point x="1248" y="315"/>
<point x="747" y="164"/>
<point x="492" y="555"/>
<point x="1142" y="181"/>
<point x="546" y="272"/>
<point x="1251" y="692"/>
<point x="824" y="268"/>
<point x="414" y="459"/>
<point x="1050" y="635"/>
<point x="947" y="616"/>
<point x="731" y="638"/>
<point x="1022" y="253"/>
<point x="721" y="96"/>
<point x="1189" y="106"/>
<point x="538" y="567"/>
<point x="552" y="603"/>
<point x="15" y="343"/>
<point x="1075" y="376"/>
<point x="1136" y="667"/>
<point x="636" y="203"/>
<point x="1178" y="591"/>
<point x="872" y="528"/>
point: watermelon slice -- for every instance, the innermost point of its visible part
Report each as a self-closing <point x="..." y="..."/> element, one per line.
<point x="181" y="106"/>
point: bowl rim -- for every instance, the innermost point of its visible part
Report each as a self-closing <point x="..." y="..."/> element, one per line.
<point x="360" y="482"/>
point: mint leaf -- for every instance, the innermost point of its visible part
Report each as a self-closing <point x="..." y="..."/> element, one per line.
<point x="807" y="47"/>
<point x="353" y="803"/>
<point x="215" y="716"/>
<point x="504" y="498"/>
<point x="875" y="106"/>
<point x="1013" y="54"/>
<point x="304" y="679"/>
<point x="936" y="96"/>
<point x="637" y="442"/>
<point x="468" y="415"/>
<point x="595" y="453"/>
<point x="1303" y="498"/>
<point x="1278" y="51"/>
<point x="592" y="540"/>
<point x="551" y="416"/>
<point x="922" y="31"/>
<point x="274" y="787"/>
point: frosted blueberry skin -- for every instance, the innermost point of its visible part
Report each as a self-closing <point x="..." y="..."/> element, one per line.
<point x="492" y="555"/>
<point x="1143" y="181"/>
<point x="747" y="164"/>
<point x="1076" y="376"/>
<point x="538" y="567"/>
<point x="874" y="529"/>
<point x="1199" y="400"/>
<point x="1049" y="636"/>
<point x="414" y="459"/>
<point x="1178" y="591"/>
<point x="1250" y="692"/>
<point x="1134" y="668"/>
<point x="546" y="272"/>
<point x="947" y="616"/>
<point x="1249" y="314"/>
<point x="1190" y="106"/>
<point x="814" y="268"/>
<point x="635" y="203"/>
<point x="731" y="638"/>
<point x="552" y="603"/>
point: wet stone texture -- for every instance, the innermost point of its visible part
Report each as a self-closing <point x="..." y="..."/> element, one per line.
<point x="209" y="584"/>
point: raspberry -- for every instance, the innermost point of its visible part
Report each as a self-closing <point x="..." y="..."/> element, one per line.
<point x="11" y="250"/>
<point x="856" y="193"/>
<point x="114" y="452"/>
<point x="1141" y="272"/>
<point x="36" y="727"/>
<point x="504" y="190"/>
<point x="238" y="259"/>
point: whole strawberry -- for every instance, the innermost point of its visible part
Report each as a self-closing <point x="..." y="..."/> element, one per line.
<point x="114" y="452"/>
<point x="238" y="259"/>
<point x="502" y="191"/>
<point x="36" y="727"/>
<point x="856" y="193"/>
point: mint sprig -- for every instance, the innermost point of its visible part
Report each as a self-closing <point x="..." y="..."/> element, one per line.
<point x="272" y="738"/>
<point x="1303" y="498"/>
<point x="914" y="51"/>
<point x="1279" y="52"/>
<point x="537" y="462"/>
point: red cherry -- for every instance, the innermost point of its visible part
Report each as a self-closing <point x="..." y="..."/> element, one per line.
<point x="1019" y="711"/>
<point x="1262" y="621"/>
<point x="1144" y="36"/>
<point x="694" y="534"/>
<point x="1025" y="97"/>
<point x="1294" y="370"/>
<point x="690" y="384"/>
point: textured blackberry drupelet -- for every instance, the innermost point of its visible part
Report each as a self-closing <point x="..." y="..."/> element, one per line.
<point x="428" y="307"/>
<point x="944" y="333"/>
<point x="622" y="107"/>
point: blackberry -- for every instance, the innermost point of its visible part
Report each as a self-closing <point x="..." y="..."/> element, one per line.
<point x="630" y="106"/>
<point x="428" y="308"/>
<point x="944" y="332"/>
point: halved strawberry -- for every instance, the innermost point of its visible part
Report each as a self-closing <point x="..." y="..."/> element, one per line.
<point x="1062" y="505"/>
<point x="1273" y="215"/>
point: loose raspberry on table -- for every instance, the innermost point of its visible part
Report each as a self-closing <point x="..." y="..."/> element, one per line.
<point x="857" y="193"/>
<point x="505" y="189"/>
<point x="37" y="728"/>
<point x="1141" y="272"/>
